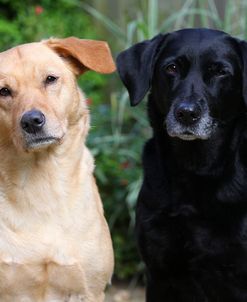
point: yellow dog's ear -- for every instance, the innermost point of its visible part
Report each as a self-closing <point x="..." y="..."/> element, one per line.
<point x="84" y="55"/>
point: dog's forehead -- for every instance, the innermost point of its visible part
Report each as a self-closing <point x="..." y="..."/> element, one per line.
<point x="196" y="42"/>
<point x="25" y="56"/>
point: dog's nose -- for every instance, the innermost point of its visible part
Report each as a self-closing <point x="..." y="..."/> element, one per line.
<point x="188" y="113"/>
<point x="32" y="121"/>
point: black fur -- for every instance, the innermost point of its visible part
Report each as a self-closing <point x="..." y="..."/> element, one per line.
<point x="192" y="208"/>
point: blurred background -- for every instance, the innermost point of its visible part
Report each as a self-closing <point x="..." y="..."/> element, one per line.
<point x="117" y="131"/>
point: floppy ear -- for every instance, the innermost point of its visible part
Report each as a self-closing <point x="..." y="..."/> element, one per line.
<point x="84" y="55"/>
<point x="135" y="66"/>
<point x="243" y="45"/>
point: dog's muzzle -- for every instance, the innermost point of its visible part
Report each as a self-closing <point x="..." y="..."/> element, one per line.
<point x="33" y="124"/>
<point x="189" y="121"/>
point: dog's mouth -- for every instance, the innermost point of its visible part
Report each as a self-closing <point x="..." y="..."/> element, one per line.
<point x="201" y="130"/>
<point x="190" y="121"/>
<point x="187" y="136"/>
<point x="42" y="142"/>
<point x="202" y="133"/>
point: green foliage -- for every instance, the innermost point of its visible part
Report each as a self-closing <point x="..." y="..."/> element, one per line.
<point x="27" y="21"/>
<point x="116" y="141"/>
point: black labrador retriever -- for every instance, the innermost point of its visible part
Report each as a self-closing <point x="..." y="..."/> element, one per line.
<point x="192" y="208"/>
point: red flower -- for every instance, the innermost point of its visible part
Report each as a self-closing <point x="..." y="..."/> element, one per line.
<point x="125" y="165"/>
<point x="38" y="9"/>
<point x="89" y="101"/>
<point x="124" y="182"/>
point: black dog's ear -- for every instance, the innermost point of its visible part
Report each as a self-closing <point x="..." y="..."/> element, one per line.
<point x="135" y="66"/>
<point x="243" y="45"/>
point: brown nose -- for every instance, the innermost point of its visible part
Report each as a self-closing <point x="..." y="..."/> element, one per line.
<point x="32" y="121"/>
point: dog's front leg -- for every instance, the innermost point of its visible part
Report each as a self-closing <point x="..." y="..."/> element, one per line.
<point x="83" y="298"/>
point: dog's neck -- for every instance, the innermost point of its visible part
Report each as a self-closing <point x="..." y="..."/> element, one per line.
<point x="201" y="157"/>
<point x="45" y="181"/>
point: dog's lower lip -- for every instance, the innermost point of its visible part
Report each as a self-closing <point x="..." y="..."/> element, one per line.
<point x="187" y="137"/>
<point x="184" y="136"/>
<point x="42" y="141"/>
<point x="187" y="133"/>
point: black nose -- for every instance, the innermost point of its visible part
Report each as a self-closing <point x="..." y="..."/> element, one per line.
<point x="188" y="113"/>
<point x="32" y="121"/>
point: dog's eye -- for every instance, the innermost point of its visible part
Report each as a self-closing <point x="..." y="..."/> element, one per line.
<point x="50" y="79"/>
<point x="217" y="70"/>
<point x="171" y="68"/>
<point x="5" y="91"/>
<point x="220" y="72"/>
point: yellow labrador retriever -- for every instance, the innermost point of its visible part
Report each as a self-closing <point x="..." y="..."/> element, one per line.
<point x="54" y="241"/>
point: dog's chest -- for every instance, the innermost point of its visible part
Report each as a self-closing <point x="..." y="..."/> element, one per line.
<point x="196" y="221"/>
<point x="39" y="281"/>
<point x="40" y="267"/>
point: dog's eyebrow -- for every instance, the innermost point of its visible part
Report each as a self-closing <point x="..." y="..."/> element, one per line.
<point x="178" y="58"/>
<point x="2" y="76"/>
<point x="170" y="59"/>
<point x="51" y="71"/>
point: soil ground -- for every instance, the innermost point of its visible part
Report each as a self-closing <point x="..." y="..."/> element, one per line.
<point x="122" y="293"/>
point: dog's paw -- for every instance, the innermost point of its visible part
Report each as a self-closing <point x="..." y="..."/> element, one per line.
<point x="76" y="298"/>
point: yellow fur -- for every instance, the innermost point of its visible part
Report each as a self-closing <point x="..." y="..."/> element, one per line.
<point x="54" y="241"/>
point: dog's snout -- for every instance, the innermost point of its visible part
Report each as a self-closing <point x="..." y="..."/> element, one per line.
<point x="188" y="113"/>
<point x="32" y="121"/>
